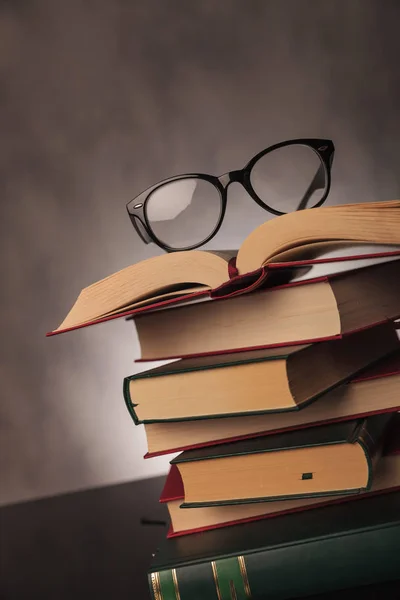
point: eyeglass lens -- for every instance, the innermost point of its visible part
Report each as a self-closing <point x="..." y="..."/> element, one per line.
<point x="285" y="177"/>
<point x="184" y="212"/>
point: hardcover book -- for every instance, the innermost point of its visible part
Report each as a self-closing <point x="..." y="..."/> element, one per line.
<point x="324" y="550"/>
<point x="375" y="390"/>
<point x="320" y="461"/>
<point x="307" y="235"/>
<point x="386" y="479"/>
<point x="283" y="379"/>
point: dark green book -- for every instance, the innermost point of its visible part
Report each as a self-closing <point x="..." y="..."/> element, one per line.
<point x="255" y="381"/>
<point x="320" y="461"/>
<point x="293" y="556"/>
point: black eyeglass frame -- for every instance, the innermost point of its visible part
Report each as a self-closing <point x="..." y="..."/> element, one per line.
<point x="325" y="150"/>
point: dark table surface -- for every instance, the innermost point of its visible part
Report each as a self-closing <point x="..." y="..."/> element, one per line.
<point x="87" y="544"/>
<point x="92" y="544"/>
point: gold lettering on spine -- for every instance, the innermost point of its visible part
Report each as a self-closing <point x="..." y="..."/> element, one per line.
<point x="175" y="580"/>
<point x="215" y="575"/>
<point x="155" y="582"/>
<point x="243" y="572"/>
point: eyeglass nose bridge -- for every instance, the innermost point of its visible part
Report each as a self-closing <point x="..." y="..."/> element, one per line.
<point x="231" y="177"/>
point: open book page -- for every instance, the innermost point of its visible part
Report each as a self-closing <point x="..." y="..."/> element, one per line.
<point x="332" y="249"/>
<point x="167" y="274"/>
<point x="333" y="268"/>
<point x="331" y="253"/>
<point x="159" y="298"/>
<point x="376" y="223"/>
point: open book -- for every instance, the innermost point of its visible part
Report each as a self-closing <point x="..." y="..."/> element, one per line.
<point x="355" y="235"/>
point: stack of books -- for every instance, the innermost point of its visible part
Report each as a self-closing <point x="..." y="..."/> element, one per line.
<point x="280" y="389"/>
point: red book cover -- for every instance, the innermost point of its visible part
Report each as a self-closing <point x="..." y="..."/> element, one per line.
<point x="173" y="488"/>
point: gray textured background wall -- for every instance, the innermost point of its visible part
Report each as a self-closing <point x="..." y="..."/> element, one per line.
<point x="99" y="99"/>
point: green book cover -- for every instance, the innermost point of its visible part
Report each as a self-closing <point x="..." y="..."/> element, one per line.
<point x="254" y="381"/>
<point x="323" y="550"/>
<point x="367" y="433"/>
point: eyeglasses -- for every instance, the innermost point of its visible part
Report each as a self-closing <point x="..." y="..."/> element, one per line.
<point x="186" y="211"/>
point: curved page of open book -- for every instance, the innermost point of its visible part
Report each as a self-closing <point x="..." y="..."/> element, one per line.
<point x="375" y="222"/>
<point x="330" y="258"/>
<point x="162" y="277"/>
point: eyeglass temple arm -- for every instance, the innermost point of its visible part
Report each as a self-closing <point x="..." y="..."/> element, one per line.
<point x="140" y="228"/>
<point x="318" y="183"/>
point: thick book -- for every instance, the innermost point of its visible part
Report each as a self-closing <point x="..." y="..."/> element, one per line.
<point x="162" y="280"/>
<point x="375" y="390"/>
<point x="324" y="550"/>
<point x="284" y="379"/>
<point x="320" y="461"/>
<point x="183" y="522"/>
<point x="292" y="314"/>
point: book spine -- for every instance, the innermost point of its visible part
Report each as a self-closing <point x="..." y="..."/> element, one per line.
<point x="128" y="400"/>
<point x="363" y="557"/>
<point x="371" y="435"/>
